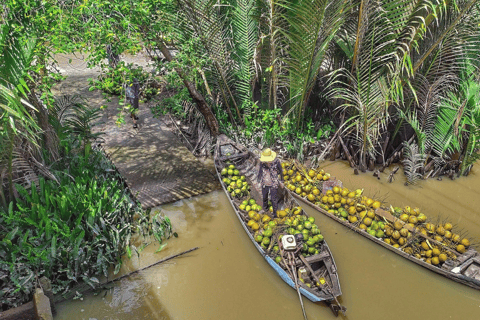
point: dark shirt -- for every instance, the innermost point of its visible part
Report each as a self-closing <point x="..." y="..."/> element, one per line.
<point x="268" y="175"/>
<point x="132" y="91"/>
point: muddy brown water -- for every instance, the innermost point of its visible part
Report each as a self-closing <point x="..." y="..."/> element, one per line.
<point x="227" y="278"/>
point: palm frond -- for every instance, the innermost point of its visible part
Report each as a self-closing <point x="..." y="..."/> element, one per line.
<point x="314" y="25"/>
<point x="15" y="56"/>
<point x="428" y="97"/>
<point x="458" y="122"/>
<point x="80" y="121"/>
<point x="245" y="34"/>
<point x="444" y="42"/>
<point x="413" y="162"/>
<point x="207" y="22"/>
<point x="271" y="51"/>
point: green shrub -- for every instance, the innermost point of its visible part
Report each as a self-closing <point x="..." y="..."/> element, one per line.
<point x="70" y="231"/>
<point x="173" y="104"/>
<point x="113" y="80"/>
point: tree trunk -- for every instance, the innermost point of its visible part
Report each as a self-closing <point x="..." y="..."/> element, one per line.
<point x="41" y="113"/>
<point x="199" y="100"/>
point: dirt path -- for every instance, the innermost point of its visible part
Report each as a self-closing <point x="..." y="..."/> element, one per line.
<point x="157" y="167"/>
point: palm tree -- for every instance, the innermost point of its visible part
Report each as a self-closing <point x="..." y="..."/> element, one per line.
<point x="407" y="54"/>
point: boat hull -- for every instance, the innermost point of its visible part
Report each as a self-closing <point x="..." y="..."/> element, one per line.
<point x="276" y="267"/>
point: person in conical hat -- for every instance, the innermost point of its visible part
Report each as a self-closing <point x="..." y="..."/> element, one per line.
<point x="270" y="175"/>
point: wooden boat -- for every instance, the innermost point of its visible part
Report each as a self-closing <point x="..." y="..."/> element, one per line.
<point x="465" y="269"/>
<point x="322" y="264"/>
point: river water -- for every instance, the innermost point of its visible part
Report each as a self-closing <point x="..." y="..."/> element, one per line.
<point x="226" y="278"/>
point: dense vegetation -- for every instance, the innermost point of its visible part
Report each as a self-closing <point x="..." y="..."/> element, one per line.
<point x="393" y="80"/>
<point x="371" y="81"/>
<point x="64" y="211"/>
<point x="391" y="75"/>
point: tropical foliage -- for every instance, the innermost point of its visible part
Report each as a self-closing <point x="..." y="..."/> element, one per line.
<point x="382" y="70"/>
<point x="380" y="81"/>
<point x="64" y="212"/>
<point x="70" y="230"/>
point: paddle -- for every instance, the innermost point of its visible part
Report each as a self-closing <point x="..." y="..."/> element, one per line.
<point x="291" y="259"/>
<point x="339" y="306"/>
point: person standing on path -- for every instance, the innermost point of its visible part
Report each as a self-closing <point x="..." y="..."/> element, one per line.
<point x="132" y="91"/>
<point x="269" y="175"/>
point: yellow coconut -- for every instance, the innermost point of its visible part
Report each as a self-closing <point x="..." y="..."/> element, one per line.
<point x="440" y="230"/>
<point x="448" y="226"/>
<point x="367" y="222"/>
<point x="398" y="225"/>
<point x="422" y="218"/>
<point x="430" y="227"/>
<point x="352" y="219"/>
<point x="425" y="246"/>
<point x="413" y="220"/>
<point x="442" y="257"/>
<point x="465" y="242"/>
<point x="389" y="232"/>
<point x="455" y="238"/>
<point x="266" y="218"/>
<point x="376" y="205"/>
<point x="370" y="214"/>
<point x="461" y="248"/>
<point x="369" y="202"/>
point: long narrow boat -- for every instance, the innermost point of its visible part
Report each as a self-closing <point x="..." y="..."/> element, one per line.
<point x="464" y="268"/>
<point x="322" y="264"/>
